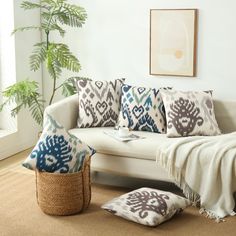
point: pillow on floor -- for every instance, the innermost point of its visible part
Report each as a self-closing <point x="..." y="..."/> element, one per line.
<point x="189" y="113"/>
<point x="147" y="206"/>
<point x="99" y="102"/>
<point x="57" y="150"/>
<point x="142" y="109"/>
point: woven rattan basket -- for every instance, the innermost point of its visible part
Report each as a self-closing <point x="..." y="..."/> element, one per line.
<point x="64" y="194"/>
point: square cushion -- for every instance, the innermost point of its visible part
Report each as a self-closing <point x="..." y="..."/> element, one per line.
<point x="189" y="113"/>
<point x="99" y="102"/>
<point x="142" y="109"/>
<point x="147" y="206"/>
<point x="57" y="150"/>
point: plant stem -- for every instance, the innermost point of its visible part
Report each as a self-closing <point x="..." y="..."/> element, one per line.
<point x="54" y="78"/>
<point x="47" y="39"/>
<point x="53" y="90"/>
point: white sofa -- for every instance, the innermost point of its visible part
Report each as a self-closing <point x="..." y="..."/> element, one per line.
<point x="136" y="158"/>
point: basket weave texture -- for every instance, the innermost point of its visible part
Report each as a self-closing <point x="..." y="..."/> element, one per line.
<point x="64" y="194"/>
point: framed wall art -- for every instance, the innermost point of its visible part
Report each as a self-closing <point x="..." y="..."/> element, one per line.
<point x="173" y="40"/>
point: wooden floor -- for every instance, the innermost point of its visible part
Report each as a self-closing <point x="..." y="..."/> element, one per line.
<point x="20" y="214"/>
<point x="14" y="159"/>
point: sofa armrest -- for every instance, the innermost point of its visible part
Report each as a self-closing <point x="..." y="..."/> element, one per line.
<point x="64" y="111"/>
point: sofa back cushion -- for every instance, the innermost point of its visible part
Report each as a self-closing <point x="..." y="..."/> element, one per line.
<point x="99" y="102"/>
<point x="142" y="109"/>
<point x="189" y="113"/>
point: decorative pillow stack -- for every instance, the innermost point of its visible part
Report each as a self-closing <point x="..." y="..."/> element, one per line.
<point x="58" y="151"/>
<point x="99" y="102"/>
<point x="142" y="109"/>
<point x="147" y="206"/>
<point x="189" y="113"/>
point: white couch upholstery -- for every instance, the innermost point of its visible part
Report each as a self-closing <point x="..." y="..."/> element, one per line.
<point x="136" y="158"/>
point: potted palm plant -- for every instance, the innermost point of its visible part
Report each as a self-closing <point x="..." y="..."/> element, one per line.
<point x="54" y="56"/>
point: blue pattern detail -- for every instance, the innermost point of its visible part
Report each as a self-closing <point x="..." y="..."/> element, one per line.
<point x="148" y="103"/>
<point x="142" y="109"/>
<point x="146" y="123"/>
<point x="53" y="154"/>
<point x="126" y="115"/>
<point x="57" y="150"/>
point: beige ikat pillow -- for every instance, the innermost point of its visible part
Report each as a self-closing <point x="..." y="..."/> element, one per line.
<point x="147" y="206"/>
<point x="189" y="113"/>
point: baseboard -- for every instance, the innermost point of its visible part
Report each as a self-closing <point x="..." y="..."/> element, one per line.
<point x="10" y="149"/>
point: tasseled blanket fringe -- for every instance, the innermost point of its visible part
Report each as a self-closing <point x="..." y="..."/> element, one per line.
<point x="187" y="191"/>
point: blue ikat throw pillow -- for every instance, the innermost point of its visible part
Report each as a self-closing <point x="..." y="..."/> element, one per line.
<point x="142" y="109"/>
<point x="57" y="150"/>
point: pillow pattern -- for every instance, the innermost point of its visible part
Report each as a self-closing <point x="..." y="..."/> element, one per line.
<point x="189" y="113"/>
<point x="57" y="150"/>
<point x="99" y="102"/>
<point x="142" y="109"/>
<point x="147" y="206"/>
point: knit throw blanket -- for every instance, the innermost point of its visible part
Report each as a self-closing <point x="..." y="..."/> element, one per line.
<point x="205" y="169"/>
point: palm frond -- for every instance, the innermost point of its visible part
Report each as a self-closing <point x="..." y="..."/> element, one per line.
<point x="54" y="68"/>
<point x="68" y="89"/>
<point x="50" y="3"/>
<point x="45" y="15"/>
<point x="66" y="58"/>
<point x="24" y="94"/>
<point x="36" y="107"/>
<point x="21" y="29"/>
<point x="38" y="56"/>
<point x="71" y="15"/>
<point x="26" y="5"/>
<point x="53" y="65"/>
<point x="53" y="26"/>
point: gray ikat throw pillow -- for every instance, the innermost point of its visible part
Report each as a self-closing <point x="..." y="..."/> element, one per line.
<point x="189" y="113"/>
<point x="99" y="102"/>
<point x="147" y="206"/>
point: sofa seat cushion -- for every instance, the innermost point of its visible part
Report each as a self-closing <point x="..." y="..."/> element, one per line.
<point x="102" y="143"/>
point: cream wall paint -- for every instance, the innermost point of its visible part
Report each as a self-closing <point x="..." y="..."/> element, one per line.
<point x="114" y="43"/>
<point x="27" y="131"/>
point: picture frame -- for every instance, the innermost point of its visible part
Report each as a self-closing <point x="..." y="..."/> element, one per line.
<point x="173" y="42"/>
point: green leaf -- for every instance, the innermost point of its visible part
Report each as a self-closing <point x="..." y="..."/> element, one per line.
<point x="68" y="89"/>
<point x="54" y="68"/>
<point x="24" y="94"/>
<point x="66" y="58"/>
<point x="71" y="15"/>
<point x="49" y="2"/>
<point x="53" y="65"/>
<point x="52" y="27"/>
<point x="29" y="5"/>
<point x="20" y="29"/>
<point x="38" y="55"/>
<point x="36" y="107"/>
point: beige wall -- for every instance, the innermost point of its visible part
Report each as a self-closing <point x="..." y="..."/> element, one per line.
<point x="114" y="42"/>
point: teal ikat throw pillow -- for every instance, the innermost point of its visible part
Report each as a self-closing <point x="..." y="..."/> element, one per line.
<point x="57" y="150"/>
<point x="142" y="109"/>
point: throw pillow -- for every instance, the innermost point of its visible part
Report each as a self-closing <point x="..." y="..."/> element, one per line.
<point x="99" y="102"/>
<point x="142" y="109"/>
<point x="57" y="150"/>
<point x="189" y="113"/>
<point x="147" y="206"/>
